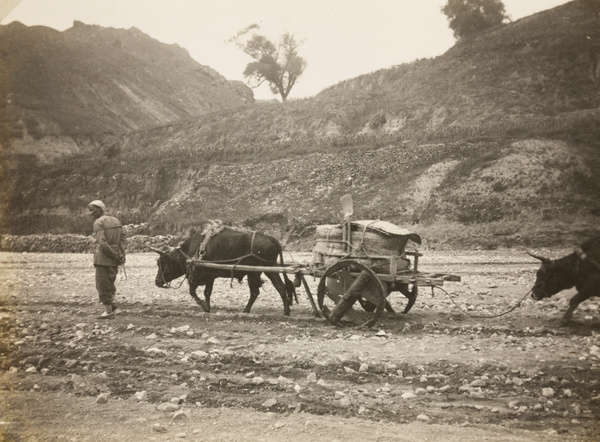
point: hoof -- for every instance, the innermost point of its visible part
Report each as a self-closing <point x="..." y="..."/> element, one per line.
<point x="203" y="305"/>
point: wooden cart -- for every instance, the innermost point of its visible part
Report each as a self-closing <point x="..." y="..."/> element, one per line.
<point x="350" y="272"/>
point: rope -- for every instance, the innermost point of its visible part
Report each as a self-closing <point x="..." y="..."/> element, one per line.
<point x="162" y="273"/>
<point x="482" y="316"/>
<point x="583" y="256"/>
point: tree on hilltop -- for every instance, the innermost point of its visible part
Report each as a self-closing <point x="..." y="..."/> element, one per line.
<point x="279" y="65"/>
<point x="469" y="17"/>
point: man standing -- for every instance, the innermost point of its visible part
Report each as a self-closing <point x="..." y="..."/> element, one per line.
<point x="109" y="254"/>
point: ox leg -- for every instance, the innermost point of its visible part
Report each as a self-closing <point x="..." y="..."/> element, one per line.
<point x="207" y="292"/>
<point x="254" y="284"/>
<point x="280" y="286"/>
<point x="193" y="294"/>
<point x="573" y="303"/>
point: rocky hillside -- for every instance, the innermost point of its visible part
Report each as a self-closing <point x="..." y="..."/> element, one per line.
<point x="494" y="143"/>
<point x="63" y="91"/>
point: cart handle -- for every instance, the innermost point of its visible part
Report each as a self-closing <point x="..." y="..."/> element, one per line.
<point x="413" y="254"/>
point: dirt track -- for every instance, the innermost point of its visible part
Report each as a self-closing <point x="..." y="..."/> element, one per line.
<point x="434" y="374"/>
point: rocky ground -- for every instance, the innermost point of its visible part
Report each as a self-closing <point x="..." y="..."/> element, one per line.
<point x="164" y="370"/>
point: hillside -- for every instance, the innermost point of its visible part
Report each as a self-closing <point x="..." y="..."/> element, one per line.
<point x="494" y="143"/>
<point x="64" y="89"/>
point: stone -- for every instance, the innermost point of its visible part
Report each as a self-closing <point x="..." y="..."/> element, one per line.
<point x="199" y="354"/>
<point x="155" y="350"/>
<point x="181" y="415"/>
<point x="390" y="366"/>
<point x="548" y="392"/>
<point x="269" y="403"/>
<point x="423" y="418"/>
<point x="141" y="396"/>
<point x="478" y="383"/>
<point x="158" y="428"/>
<point x="168" y="407"/>
<point x="182" y="329"/>
<point x="345" y="402"/>
<point x="102" y="398"/>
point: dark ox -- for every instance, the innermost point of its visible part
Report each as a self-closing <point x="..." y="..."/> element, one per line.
<point x="580" y="269"/>
<point x="229" y="246"/>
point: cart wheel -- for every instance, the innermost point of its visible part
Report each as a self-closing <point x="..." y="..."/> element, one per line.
<point x="370" y="307"/>
<point x="345" y="282"/>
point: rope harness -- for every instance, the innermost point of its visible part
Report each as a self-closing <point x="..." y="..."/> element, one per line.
<point x="167" y="285"/>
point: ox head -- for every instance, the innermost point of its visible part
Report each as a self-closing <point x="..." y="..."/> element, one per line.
<point x="171" y="265"/>
<point x="551" y="278"/>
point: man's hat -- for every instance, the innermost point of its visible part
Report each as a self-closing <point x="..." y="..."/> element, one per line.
<point x="99" y="204"/>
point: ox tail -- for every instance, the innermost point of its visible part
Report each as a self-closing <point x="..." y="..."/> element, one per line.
<point x="290" y="289"/>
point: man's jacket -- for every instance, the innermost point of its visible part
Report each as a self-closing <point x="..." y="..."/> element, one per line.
<point x="111" y="241"/>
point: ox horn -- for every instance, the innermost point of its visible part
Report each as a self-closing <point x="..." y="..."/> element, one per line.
<point x="541" y="258"/>
<point x="159" y="251"/>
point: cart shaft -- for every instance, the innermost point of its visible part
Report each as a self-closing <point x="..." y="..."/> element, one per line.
<point x="415" y="278"/>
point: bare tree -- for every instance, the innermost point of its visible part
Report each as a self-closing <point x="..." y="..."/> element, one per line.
<point x="278" y="65"/>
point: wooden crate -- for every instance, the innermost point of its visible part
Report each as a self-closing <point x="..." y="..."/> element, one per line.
<point x="383" y="253"/>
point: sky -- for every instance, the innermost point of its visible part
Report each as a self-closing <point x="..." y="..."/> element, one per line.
<point x="341" y="39"/>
